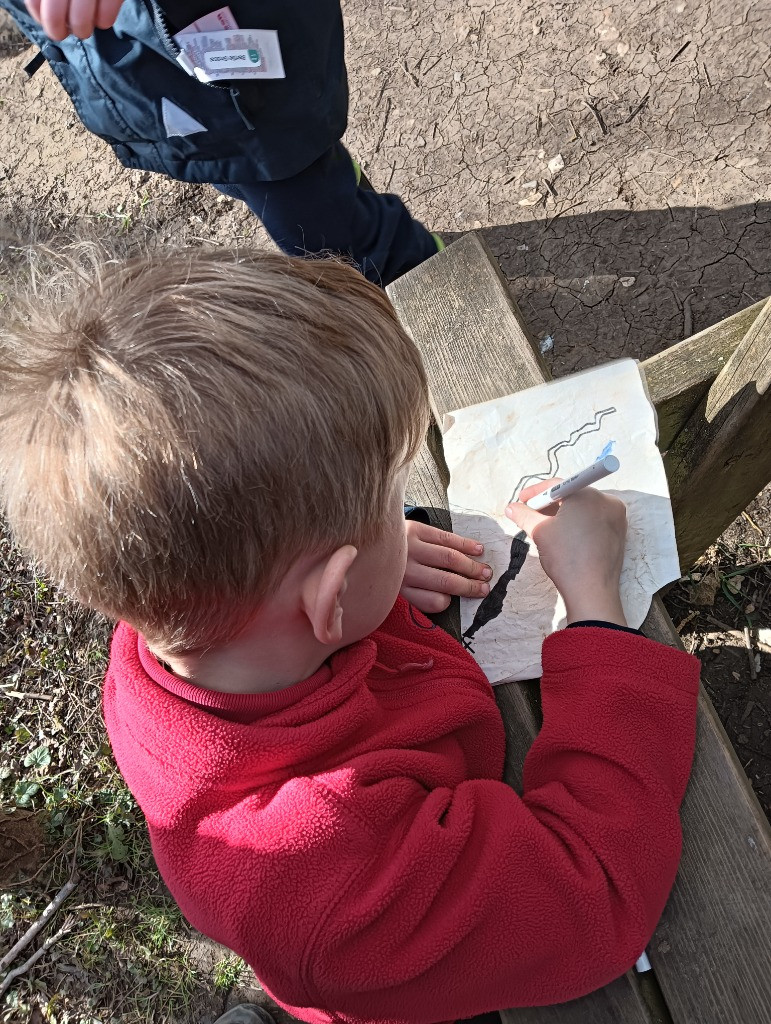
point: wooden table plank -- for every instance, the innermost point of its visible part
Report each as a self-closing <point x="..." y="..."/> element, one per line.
<point x="713" y="943"/>
<point x="680" y="376"/>
<point x="457" y="302"/>
<point x="462" y="291"/>
<point x="462" y="323"/>
<point x="727" y="440"/>
<point x="617" y="1003"/>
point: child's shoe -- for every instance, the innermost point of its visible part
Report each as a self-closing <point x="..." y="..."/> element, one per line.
<point x="246" y="1013"/>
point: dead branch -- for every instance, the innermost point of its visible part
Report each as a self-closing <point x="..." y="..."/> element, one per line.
<point x="17" y="972"/>
<point x="38" y="925"/>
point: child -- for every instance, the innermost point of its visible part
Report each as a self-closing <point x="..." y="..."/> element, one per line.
<point x="274" y="143"/>
<point x="213" y="449"/>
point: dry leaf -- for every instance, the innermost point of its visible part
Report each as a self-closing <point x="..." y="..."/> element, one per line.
<point x="705" y="590"/>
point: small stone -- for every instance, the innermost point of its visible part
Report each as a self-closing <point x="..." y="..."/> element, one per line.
<point x="523" y="248"/>
<point x="737" y="677"/>
<point x="556" y="163"/>
<point x="376" y="71"/>
<point x="626" y="282"/>
<point x="420" y="141"/>
<point x="529" y="186"/>
<point x="457" y="77"/>
<point x="477" y="225"/>
<point x="546" y="344"/>
<point x="622" y="49"/>
<point x="600" y="57"/>
<point x="749" y="609"/>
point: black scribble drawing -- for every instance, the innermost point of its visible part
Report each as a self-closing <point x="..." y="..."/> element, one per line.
<point x="492" y="606"/>
<point x="574" y="437"/>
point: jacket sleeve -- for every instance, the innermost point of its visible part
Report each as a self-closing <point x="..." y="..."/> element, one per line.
<point x="477" y="899"/>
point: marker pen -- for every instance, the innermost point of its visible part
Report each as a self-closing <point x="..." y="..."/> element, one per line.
<point x="599" y="469"/>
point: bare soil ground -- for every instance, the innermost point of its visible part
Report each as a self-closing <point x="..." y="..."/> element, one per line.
<point x="617" y="160"/>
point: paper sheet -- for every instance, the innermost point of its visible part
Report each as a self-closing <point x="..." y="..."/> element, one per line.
<point x="495" y="449"/>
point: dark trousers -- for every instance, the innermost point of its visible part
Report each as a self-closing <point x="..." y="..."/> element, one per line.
<point x="323" y="209"/>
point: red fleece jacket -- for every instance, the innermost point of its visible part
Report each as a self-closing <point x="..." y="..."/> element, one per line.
<point x="351" y="839"/>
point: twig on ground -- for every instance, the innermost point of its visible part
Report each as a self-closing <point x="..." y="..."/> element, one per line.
<point x="17" y="972"/>
<point x="723" y="626"/>
<point x="412" y="77"/>
<point x="735" y="634"/>
<point x="682" y="49"/>
<point x="688" y="618"/>
<point x="746" y="516"/>
<point x="597" y="116"/>
<point x="750" y="652"/>
<point x="640" y="106"/>
<point x="40" y="924"/>
<point x="561" y="213"/>
<point x="385" y="124"/>
<point x="33" y="696"/>
<point x="687" y="317"/>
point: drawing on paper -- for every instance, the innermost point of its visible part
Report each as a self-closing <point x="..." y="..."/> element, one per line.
<point x="552" y="455"/>
<point x="492" y="605"/>
<point x="555" y="429"/>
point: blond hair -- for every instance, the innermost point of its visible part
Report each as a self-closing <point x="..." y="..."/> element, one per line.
<point x="178" y="429"/>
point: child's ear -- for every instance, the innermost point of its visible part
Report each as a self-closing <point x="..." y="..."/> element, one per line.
<point x="322" y="595"/>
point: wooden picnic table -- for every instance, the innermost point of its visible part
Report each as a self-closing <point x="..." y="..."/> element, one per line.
<point x="711" y="952"/>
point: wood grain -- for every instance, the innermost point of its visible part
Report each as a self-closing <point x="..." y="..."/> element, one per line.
<point x="458" y="310"/>
<point x="617" y="1003"/>
<point x="711" y="950"/>
<point x="721" y="459"/>
<point x="712" y="947"/>
<point x="475" y="347"/>
<point x="680" y="376"/>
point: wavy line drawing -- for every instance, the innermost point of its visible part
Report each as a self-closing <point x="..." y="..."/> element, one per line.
<point x="573" y="438"/>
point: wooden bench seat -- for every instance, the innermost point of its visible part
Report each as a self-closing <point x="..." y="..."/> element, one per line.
<point x="711" y="952"/>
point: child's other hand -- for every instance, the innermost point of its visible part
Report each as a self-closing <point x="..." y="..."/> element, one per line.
<point x="581" y="546"/>
<point x="439" y="566"/>
<point x="61" y="18"/>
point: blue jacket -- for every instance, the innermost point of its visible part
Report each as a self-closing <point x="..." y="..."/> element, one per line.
<point x="267" y="130"/>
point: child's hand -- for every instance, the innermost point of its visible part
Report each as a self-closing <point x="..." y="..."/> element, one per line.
<point x="439" y="566"/>
<point x="61" y="18"/>
<point x="581" y="546"/>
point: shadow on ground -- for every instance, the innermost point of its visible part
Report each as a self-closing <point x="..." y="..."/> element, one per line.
<point x="601" y="285"/>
